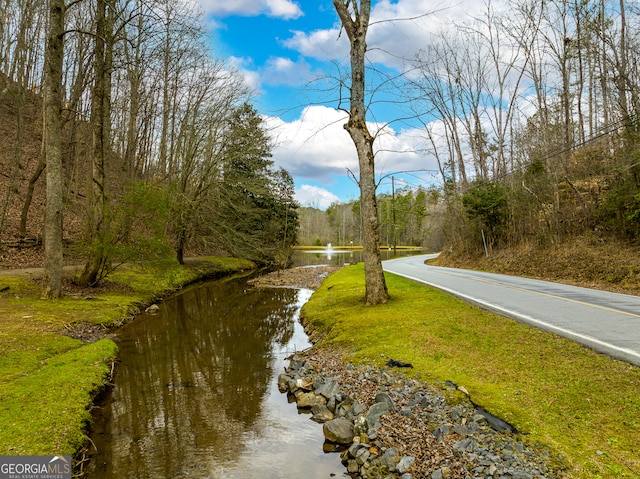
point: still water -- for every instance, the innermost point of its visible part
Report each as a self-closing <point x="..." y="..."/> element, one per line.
<point x="335" y="256"/>
<point x="196" y="393"/>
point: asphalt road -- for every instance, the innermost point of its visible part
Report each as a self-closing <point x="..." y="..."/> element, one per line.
<point x="606" y="322"/>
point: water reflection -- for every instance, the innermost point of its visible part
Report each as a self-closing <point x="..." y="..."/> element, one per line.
<point x="196" y="393"/>
<point x="339" y="257"/>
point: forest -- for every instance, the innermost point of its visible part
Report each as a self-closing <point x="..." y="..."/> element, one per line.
<point x="122" y="130"/>
<point x="127" y="139"/>
<point x="532" y="117"/>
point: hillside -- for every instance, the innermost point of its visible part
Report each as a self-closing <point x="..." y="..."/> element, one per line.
<point x="593" y="263"/>
<point x="20" y="166"/>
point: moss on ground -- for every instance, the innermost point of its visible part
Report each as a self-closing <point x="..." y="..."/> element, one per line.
<point x="581" y="405"/>
<point x="48" y="380"/>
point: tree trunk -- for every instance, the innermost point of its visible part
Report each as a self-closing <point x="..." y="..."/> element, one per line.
<point x="101" y="121"/>
<point x="356" y="29"/>
<point x="29" y="197"/>
<point x="52" y="279"/>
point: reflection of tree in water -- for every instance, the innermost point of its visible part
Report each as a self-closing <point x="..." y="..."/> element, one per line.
<point x="193" y="379"/>
<point x="238" y="330"/>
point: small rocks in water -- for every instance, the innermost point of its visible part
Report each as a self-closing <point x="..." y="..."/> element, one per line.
<point x="338" y="430"/>
<point x="321" y="413"/>
<point x="153" y="309"/>
<point x="308" y="400"/>
<point x="392" y="363"/>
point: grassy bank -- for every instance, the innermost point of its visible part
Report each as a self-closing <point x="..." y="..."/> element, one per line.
<point x="582" y="406"/>
<point x="47" y="379"/>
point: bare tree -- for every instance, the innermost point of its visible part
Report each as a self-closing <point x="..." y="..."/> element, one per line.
<point x="355" y="21"/>
<point x="52" y="279"/>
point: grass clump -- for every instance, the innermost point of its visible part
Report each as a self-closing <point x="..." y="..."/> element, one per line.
<point x="582" y="405"/>
<point x="47" y="379"/>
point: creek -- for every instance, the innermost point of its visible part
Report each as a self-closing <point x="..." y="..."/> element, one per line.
<point x="195" y="394"/>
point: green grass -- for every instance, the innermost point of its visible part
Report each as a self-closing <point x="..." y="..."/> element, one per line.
<point x="44" y="412"/>
<point x="48" y="380"/>
<point x="563" y="396"/>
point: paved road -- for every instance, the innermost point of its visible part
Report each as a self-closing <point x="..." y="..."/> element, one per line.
<point x="606" y="322"/>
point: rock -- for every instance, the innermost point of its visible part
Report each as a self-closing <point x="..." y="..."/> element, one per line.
<point x="153" y="309"/>
<point x="326" y="387"/>
<point x="360" y="425"/>
<point x="362" y="455"/>
<point x="442" y="473"/>
<point x="283" y="382"/>
<point x="338" y="430"/>
<point x="383" y="397"/>
<point x="321" y="413"/>
<point x="308" y="400"/>
<point x="377" y="410"/>
<point x="389" y="458"/>
<point x="405" y="463"/>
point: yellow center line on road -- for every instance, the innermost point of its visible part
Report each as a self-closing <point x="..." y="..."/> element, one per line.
<point x="549" y="295"/>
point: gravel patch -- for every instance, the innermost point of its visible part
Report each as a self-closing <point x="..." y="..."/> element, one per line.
<point x="424" y="434"/>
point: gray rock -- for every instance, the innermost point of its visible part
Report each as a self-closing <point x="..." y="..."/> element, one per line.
<point x="405" y="463"/>
<point x="362" y="455"/>
<point x="321" y="413"/>
<point x="385" y="398"/>
<point x="338" y="430"/>
<point x="390" y="458"/>
<point x="357" y="408"/>
<point x="308" y="400"/>
<point x="377" y="410"/>
<point x="331" y="404"/>
<point x="283" y="382"/>
<point x="327" y="388"/>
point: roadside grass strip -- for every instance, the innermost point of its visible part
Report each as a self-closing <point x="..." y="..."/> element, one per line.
<point x="582" y="406"/>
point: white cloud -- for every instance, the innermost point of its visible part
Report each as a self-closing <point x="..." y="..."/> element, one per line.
<point x="314" y="146"/>
<point x="244" y="67"/>
<point x="317" y="147"/>
<point x="397" y="30"/>
<point x="320" y="44"/>
<point x="284" y="71"/>
<point x="308" y="195"/>
<point x="285" y="9"/>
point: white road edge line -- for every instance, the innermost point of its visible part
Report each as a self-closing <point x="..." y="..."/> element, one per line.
<point x="582" y="338"/>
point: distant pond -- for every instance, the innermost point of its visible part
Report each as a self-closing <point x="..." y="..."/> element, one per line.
<point x="338" y="257"/>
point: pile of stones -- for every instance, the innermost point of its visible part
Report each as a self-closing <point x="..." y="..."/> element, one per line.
<point x="433" y="439"/>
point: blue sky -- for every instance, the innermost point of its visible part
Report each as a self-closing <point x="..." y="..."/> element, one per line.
<point x="291" y="52"/>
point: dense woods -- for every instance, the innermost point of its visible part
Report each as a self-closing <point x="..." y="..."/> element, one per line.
<point x="531" y="112"/>
<point x="146" y="145"/>
<point x="149" y="143"/>
<point x="536" y="134"/>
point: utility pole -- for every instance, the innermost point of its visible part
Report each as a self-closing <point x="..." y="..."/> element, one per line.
<point x="393" y="212"/>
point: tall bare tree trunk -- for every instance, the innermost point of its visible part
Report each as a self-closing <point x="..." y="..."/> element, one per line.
<point x="101" y="121"/>
<point x="52" y="280"/>
<point x="356" y="28"/>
